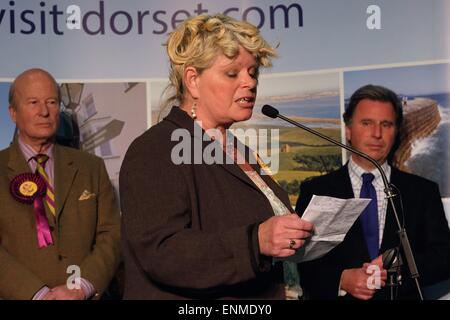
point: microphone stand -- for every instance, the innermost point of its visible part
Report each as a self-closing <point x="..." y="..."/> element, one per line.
<point x="392" y="262"/>
<point x="388" y="190"/>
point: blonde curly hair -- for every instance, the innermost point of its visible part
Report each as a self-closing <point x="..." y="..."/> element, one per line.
<point x="198" y="40"/>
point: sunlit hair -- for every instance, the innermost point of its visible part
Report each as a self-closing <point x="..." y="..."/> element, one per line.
<point x="198" y="40"/>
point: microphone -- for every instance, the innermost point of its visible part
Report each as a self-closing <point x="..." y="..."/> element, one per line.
<point x="392" y="263"/>
<point x="272" y="112"/>
<point x="389" y="258"/>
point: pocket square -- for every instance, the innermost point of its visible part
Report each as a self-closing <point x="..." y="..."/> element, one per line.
<point x="86" y="195"/>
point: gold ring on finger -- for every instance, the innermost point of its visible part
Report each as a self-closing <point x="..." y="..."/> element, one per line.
<point x="291" y="244"/>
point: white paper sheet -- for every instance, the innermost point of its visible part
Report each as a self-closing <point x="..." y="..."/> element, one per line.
<point x="332" y="218"/>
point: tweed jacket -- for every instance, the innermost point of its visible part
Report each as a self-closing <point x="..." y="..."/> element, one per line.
<point x="85" y="230"/>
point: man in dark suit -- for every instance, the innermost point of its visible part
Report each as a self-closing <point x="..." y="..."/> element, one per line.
<point x="62" y="243"/>
<point x="373" y="119"/>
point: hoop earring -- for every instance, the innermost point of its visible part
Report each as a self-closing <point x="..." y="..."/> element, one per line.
<point x="193" y="111"/>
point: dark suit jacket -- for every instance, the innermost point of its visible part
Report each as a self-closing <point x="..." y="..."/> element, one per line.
<point x="190" y="230"/>
<point x="85" y="232"/>
<point x="424" y="220"/>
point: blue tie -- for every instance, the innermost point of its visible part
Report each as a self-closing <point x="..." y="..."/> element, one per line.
<point x="369" y="217"/>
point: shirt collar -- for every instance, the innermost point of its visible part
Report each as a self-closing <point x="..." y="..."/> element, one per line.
<point x="356" y="170"/>
<point x="29" y="152"/>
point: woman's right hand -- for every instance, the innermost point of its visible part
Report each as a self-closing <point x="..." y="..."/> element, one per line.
<point x="281" y="236"/>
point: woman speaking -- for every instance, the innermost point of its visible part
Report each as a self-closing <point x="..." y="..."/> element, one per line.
<point x="208" y="229"/>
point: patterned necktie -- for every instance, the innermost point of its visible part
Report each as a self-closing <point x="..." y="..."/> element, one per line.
<point x="41" y="159"/>
<point x="369" y="217"/>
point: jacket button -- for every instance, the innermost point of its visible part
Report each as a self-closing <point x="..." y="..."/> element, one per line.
<point x="52" y="228"/>
<point x="60" y="257"/>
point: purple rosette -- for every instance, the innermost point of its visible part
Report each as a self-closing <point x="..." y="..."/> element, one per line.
<point x="31" y="188"/>
<point x="28" y="186"/>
